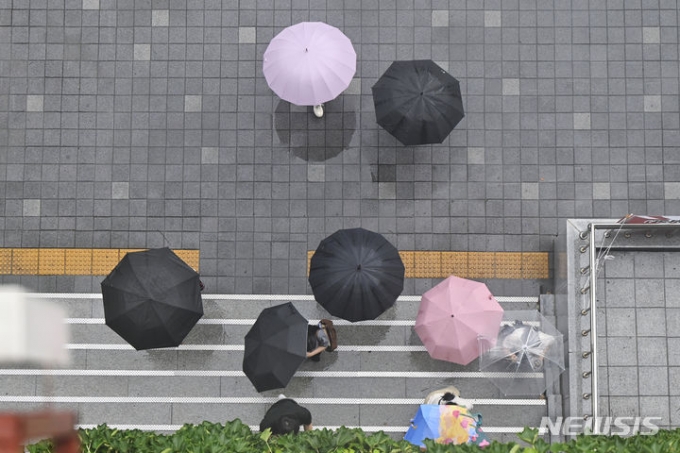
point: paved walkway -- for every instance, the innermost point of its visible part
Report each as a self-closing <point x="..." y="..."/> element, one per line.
<point x="143" y="123"/>
<point x="123" y="120"/>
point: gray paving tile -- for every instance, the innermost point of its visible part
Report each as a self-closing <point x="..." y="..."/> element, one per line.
<point x="112" y="114"/>
<point x="623" y="381"/>
<point x="653" y="381"/>
<point x="31" y="207"/>
<point x="621" y="351"/>
<point x="651" y="322"/>
<point x="620" y="321"/>
<point x="656" y="406"/>
<point x="624" y="405"/>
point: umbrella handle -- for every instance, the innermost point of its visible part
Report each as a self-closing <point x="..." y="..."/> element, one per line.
<point x="479" y="419"/>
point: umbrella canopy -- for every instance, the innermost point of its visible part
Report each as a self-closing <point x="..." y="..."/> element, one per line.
<point x="309" y="63"/>
<point x="275" y="347"/>
<point x="356" y="274"/>
<point x="417" y="102"/>
<point x="152" y="299"/>
<point x="528" y="354"/>
<point x="452" y="316"/>
<point x="445" y="425"/>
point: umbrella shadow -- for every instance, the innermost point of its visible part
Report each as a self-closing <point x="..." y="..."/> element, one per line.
<point x="326" y="362"/>
<point x="378" y="334"/>
<point x="207" y="334"/>
<point x="358" y="334"/>
<point x="315" y="139"/>
<point x="163" y="359"/>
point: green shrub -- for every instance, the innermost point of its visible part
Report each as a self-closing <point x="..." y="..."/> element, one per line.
<point x="236" y="437"/>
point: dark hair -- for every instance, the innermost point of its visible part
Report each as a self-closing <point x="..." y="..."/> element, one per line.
<point x="285" y="425"/>
<point x="331" y="333"/>
<point x="447" y="399"/>
<point x="448" y="396"/>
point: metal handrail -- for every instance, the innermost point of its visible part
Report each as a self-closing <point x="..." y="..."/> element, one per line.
<point x="594" y="393"/>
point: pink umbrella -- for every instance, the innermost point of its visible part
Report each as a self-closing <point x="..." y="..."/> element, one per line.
<point x="309" y="63"/>
<point x="455" y="316"/>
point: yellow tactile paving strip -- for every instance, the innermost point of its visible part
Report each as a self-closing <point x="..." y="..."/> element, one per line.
<point x="506" y="265"/>
<point x="418" y="264"/>
<point x="49" y="261"/>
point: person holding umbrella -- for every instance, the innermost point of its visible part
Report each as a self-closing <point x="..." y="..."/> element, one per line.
<point x="285" y="416"/>
<point x="455" y="316"/>
<point x="522" y="340"/>
<point x="275" y="347"/>
<point x="417" y="102"/>
<point x="356" y="274"/>
<point x="309" y="63"/>
<point x="321" y="337"/>
<point x="152" y="299"/>
<point x="448" y="396"/>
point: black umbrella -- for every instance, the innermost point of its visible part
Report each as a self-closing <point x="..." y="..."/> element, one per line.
<point x="152" y="299"/>
<point x="417" y="102"/>
<point x="275" y="347"/>
<point x="356" y="274"/>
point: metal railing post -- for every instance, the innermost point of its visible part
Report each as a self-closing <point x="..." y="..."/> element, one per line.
<point x="594" y="394"/>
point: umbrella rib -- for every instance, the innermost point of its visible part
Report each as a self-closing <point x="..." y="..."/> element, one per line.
<point x="400" y="95"/>
<point x="446" y="118"/>
<point x="171" y="290"/>
<point x="141" y="282"/>
<point x="328" y="75"/>
<point x="435" y="107"/>
<point x="125" y="291"/>
<point x="399" y="84"/>
<point x="164" y="326"/>
<point x="403" y="103"/>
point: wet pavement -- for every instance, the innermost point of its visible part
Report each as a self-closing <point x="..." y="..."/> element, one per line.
<point x="132" y="124"/>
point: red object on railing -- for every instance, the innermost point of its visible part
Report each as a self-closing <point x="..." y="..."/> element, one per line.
<point x="16" y="429"/>
<point x="633" y="219"/>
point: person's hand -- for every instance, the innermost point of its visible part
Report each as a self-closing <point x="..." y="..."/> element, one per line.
<point x="316" y="351"/>
<point x="308" y="427"/>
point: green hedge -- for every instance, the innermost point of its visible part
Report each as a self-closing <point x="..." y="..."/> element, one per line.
<point x="237" y="437"/>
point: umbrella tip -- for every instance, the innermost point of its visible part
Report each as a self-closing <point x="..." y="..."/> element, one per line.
<point x="358" y="267"/>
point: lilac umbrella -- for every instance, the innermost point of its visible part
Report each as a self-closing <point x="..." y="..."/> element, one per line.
<point x="309" y="63"/>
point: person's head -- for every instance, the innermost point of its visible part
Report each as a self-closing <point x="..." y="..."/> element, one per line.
<point x="285" y="425"/>
<point x="450" y="399"/>
<point x="331" y="334"/>
<point x="447" y="398"/>
<point x="537" y="363"/>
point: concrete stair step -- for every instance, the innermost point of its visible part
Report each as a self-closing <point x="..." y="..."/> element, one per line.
<point x="202" y="379"/>
<point x="249" y="306"/>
